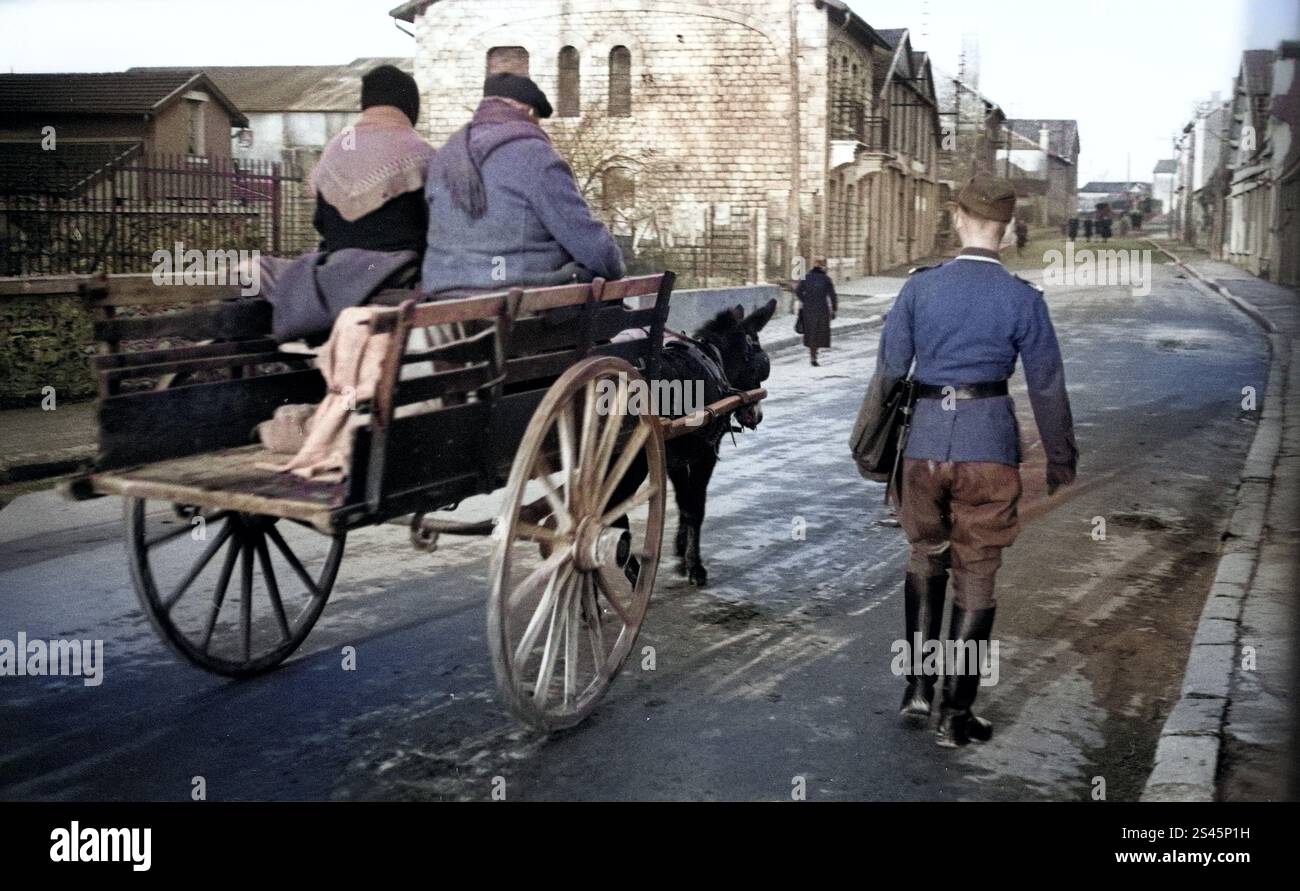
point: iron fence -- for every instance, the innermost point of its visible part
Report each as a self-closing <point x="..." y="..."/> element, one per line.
<point x="57" y="218"/>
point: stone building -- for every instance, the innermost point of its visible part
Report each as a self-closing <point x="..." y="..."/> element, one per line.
<point x="1249" y="162"/>
<point x="725" y="140"/>
<point x="1053" y="145"/>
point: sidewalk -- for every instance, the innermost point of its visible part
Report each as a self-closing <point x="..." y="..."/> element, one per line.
<point x="1231" y="735"/>
<point x="35" y="444"/>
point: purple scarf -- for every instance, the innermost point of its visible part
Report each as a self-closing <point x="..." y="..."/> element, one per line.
<point x="461" y="160"/>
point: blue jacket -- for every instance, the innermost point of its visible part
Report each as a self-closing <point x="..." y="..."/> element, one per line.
<point x="537" y="229"/>
<point x="965" y="322"/>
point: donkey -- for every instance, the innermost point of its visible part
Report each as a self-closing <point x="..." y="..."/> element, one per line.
<point x="726" y="356"/>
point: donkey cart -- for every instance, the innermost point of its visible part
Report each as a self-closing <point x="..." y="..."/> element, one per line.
<point x="514" y="403"/>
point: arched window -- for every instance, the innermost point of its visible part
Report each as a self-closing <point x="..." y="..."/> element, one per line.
<point x="569" y="98"/>
<point x="620" y="82"/>
<point x="512" y="59"/>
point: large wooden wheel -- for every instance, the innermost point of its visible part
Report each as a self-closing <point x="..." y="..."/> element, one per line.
<point x="187" y="592"/>
<point x="576" y="545"/>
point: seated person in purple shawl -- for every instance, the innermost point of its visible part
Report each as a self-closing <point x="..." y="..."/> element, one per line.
<point x="504" y="209"/>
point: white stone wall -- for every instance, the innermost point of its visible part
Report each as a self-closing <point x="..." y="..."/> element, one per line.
<point x="711" y="98"/>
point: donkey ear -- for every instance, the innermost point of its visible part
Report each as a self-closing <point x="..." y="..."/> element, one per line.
<point x="758" y="318"/>
<point x="738" y="312"/>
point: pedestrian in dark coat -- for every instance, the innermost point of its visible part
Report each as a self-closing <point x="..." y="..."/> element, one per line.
<point x="1073" y="228"/>
<point x="818" y="304"/>
<point x="1087" y="228"/>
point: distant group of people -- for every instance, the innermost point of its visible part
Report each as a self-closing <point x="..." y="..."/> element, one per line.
<point x="493" y="208"/>
<point x="1101" y="227"/>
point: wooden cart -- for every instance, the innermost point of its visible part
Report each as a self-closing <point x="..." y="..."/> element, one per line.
<point x="515" y="403"/>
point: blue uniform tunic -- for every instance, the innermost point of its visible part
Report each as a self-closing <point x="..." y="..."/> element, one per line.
<point x="965" y="322"/>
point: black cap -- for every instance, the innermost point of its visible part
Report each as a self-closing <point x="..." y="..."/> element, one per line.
<point x="520" y="89"/>
<point x="390" y="85"/>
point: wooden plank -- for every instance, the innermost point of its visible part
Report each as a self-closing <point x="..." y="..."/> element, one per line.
<point x="221" y="321"/>
<point x="535" y="335"/>
<point x="26" y="285"/>
<point x="159" y="424"/>
<point x="489" y="306"/>
<point x="139" y="289"/>
<point x="179" y="354"/>
<point x="451" y="382"/>
<point x="230" y="480"/>
<point x="476" y="348"/>
<point x="238" y="360"/>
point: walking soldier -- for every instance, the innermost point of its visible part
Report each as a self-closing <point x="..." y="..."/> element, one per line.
<point x="964" y="323"/>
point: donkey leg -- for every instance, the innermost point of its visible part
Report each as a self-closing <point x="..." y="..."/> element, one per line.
<point x="680" y="478"/>
<point x="692" y="507"/>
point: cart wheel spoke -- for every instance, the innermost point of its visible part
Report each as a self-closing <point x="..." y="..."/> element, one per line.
<point x="595" y="625"/>
<point x="181" y="530"/>
<point x="204" y="559"/>
<point x="272" y="589"/>
<point x="246" y="597"/>
<point x="544" y="612"/>
<point x="219" y="595"/>
<point x="294" y="562"/>
<point x="631" y="449"/>
<point x="542" y="688"/>
<point x="629" y="504"/>
<point x="617" y="589"/>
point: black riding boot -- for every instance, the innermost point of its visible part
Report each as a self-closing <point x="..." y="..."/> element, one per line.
<point x="958" y="725"/>
<point x="922" y="615"/>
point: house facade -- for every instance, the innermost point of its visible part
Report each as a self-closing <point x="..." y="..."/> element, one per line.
<point x="1046" y="154"/>
<point x="728" y="140"/>
<point x="1250" y="162"/>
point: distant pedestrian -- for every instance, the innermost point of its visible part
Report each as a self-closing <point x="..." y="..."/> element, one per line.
<point x="1072" y="228"/>
<point x="1022" y="237"/>
<point x="1087" y="228"/>
<point x="818" y="304"/>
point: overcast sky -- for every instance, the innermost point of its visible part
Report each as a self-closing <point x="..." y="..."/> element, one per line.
<point x="1128" y="70"/>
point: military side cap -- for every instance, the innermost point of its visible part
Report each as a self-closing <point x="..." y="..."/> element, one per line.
<point x="988" y="197"/>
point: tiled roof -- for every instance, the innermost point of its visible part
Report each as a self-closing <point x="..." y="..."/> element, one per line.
<point x="120" y="92"/>
<point x="257" y="88"/>
<point x="892" y="36"/>
<point x="27" y="169"/>
<point x="1112" y="187"/>
<point x="1167" y="165"/>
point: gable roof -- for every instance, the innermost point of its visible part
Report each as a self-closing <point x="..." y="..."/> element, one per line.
<point x="273" y="88"/>
<point x="1166" y="165"/>
<point x="114" y="93"/>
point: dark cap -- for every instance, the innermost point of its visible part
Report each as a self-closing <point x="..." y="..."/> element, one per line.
<point x="390" y="85"/>
<point x="988" y="197"/>
<point x="519" y="88"/>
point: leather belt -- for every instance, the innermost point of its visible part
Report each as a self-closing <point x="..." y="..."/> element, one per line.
<point x="983" y="390"/>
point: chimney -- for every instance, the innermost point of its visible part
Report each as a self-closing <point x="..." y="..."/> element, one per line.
<point x="1044" y="139"/>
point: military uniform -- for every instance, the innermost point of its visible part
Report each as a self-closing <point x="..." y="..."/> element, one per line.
<point x="964" y="323"/>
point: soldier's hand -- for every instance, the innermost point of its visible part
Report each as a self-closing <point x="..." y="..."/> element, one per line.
<point x="1059" y="475"/>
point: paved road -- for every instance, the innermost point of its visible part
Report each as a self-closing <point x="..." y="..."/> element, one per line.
<point x="778" y="671"/>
